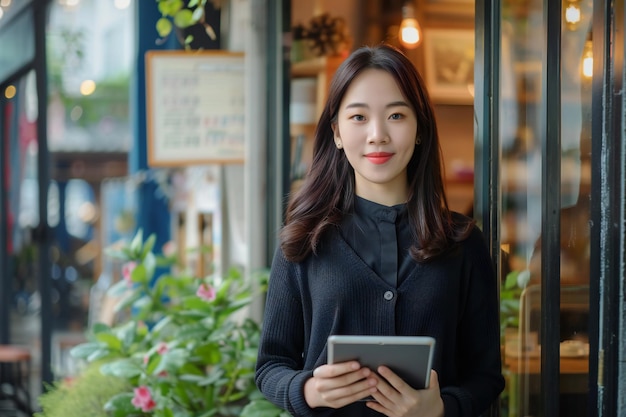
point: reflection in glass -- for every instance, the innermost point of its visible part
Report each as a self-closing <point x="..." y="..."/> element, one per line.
<point x="521" y="137"/>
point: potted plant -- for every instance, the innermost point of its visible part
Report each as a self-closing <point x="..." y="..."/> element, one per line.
<point x="180" y="16"/>
<point x="185" y="348"/>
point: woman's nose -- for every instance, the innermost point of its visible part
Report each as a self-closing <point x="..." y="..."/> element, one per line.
<point x="377" y="132"/>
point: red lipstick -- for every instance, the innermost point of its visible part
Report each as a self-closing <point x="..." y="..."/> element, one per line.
<point x="378" y="157"/>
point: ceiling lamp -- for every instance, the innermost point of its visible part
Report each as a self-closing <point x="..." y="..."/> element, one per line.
<point x="573" y="14"/>
<point x="587" y="63"/>
<point x="410" y="33"/>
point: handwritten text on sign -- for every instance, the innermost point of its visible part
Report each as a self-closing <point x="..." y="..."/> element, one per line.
<point x="196" y="103"/>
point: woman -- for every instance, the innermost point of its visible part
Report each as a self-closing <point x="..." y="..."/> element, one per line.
<point x="369" y="247"/>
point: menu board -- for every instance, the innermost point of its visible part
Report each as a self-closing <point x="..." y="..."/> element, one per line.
<point x="194" y="107"/>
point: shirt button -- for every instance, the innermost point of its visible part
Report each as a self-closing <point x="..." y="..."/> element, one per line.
<point x="388" y="295"/>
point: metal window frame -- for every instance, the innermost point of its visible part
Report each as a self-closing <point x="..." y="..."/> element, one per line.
<point x="607" y="323"/>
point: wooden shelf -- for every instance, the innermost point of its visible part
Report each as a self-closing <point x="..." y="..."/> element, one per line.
<point x="321" y="68"/>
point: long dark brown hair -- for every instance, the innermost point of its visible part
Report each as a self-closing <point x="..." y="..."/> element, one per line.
<point x="328" y="190"/>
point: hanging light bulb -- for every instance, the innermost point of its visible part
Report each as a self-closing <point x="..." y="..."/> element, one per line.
<point x="410" y="33"/>
<point x="587" y="64"/>
<point x="573" y="14"/>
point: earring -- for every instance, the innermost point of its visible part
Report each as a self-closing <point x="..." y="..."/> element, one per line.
<point x="339" y="145"/>
<point x="418" y="140"/>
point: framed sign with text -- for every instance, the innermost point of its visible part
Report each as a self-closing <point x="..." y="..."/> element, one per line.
<point x="195" y="107"/>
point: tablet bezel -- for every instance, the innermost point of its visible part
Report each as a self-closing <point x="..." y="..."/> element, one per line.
<point x="396" y="352"/>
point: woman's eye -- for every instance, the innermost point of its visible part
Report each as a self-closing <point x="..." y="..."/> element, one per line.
<point x="396" y="116"/>
<point x="358" y="117"/>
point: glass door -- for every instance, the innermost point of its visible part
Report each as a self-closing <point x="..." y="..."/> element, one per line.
<point x="549" y="197"/>
<point x="524" y="138"/>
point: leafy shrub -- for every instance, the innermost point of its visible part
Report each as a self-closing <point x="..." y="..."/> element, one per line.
<point x="186" y="349"/>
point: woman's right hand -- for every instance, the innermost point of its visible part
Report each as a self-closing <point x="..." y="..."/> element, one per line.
<point x="338" y="385"/>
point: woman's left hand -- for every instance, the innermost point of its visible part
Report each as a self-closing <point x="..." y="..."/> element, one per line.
<point x="396" y="398"/>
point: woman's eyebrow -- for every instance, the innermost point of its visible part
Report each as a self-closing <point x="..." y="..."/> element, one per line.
<point x="392" y="104"/>
<point x="398" y="103"/>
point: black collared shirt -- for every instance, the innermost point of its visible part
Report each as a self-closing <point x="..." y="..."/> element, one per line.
<point x="381" y="237"/>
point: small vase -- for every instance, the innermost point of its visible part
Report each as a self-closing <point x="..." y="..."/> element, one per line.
<point x="300" y="50"/>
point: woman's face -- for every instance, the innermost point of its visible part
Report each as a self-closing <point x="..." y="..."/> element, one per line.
<point x="377" y="129"/>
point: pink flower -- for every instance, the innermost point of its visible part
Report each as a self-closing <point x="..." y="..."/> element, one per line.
<point x="169" y="248"/>
<point x="143" y="399"/>
<point x="162" y="348"/>
<point x="206" y="292"/>
<point x="146" y="359"/>
<point x="127" y="270"/>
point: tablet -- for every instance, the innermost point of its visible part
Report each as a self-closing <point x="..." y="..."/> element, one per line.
<point x="410" y="357"/>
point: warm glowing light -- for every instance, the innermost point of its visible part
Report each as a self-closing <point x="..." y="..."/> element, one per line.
<point x="573" y="15"/>
<point x="5" y="3"/>
<point x="587" y="64"/>
<point x="10" y="91"/>
<point x="410" y="33"/>
<point x="87" y="87"/>
<point x="588" y="67"/>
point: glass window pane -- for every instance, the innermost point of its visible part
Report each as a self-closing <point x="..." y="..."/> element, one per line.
<point x="521" y="136"/>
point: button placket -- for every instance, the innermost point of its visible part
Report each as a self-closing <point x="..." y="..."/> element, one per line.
<point x="388" y="246"/>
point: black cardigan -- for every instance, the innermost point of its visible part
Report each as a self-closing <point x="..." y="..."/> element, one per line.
<point x="452" y="298"/>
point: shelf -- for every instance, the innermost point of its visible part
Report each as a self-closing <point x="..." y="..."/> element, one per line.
<point x="316" y="66"/>
<point x="322" y="69"/>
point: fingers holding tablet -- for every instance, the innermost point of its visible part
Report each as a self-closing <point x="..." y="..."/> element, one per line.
<point x="337" y="385"/>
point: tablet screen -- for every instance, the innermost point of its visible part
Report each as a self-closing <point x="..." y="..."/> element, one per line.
<point x="410" y="357"/>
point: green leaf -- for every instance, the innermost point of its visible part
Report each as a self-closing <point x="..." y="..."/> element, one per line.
<point x="261" y="408"/>
<point x="84" y="350"/>
<point x="139" y="274"/>
<point x="98" y="354"/>
<point x="116" y="254"/>
<point x="162" y="324"/>
<point x="126" y="333"/>
<point x="100" y="328"/>
<point x="196" y="303"/>
<point x="167" y="413"/>
<point x="209" y="413"/>
<point x="123" y="368"/>
<point x="189" y="368"/>
<point x="119" y="288"/>
<point x="212" y="378"/>
<point x="143" y="303"/>
<point x="127" y="301"/>
<point x="149" y="263"/>
<point x="197" y="14"/>
<point x="193" y="331"/>
<point x="110" y="340"/>
<point x="121" y="403"/>
<point x="170" y="7"/>
<point x="135" y="244"/>
<point x="511" y="280"/>
<point x="171" y="361"/>
<point x="188" y="39"/>
<point x="183" y="18"/>
<point x="163" y="27"/>
<point x="148" y="245"/>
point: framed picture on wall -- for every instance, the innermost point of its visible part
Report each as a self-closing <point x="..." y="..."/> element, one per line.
<point x="449" y="65"/>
